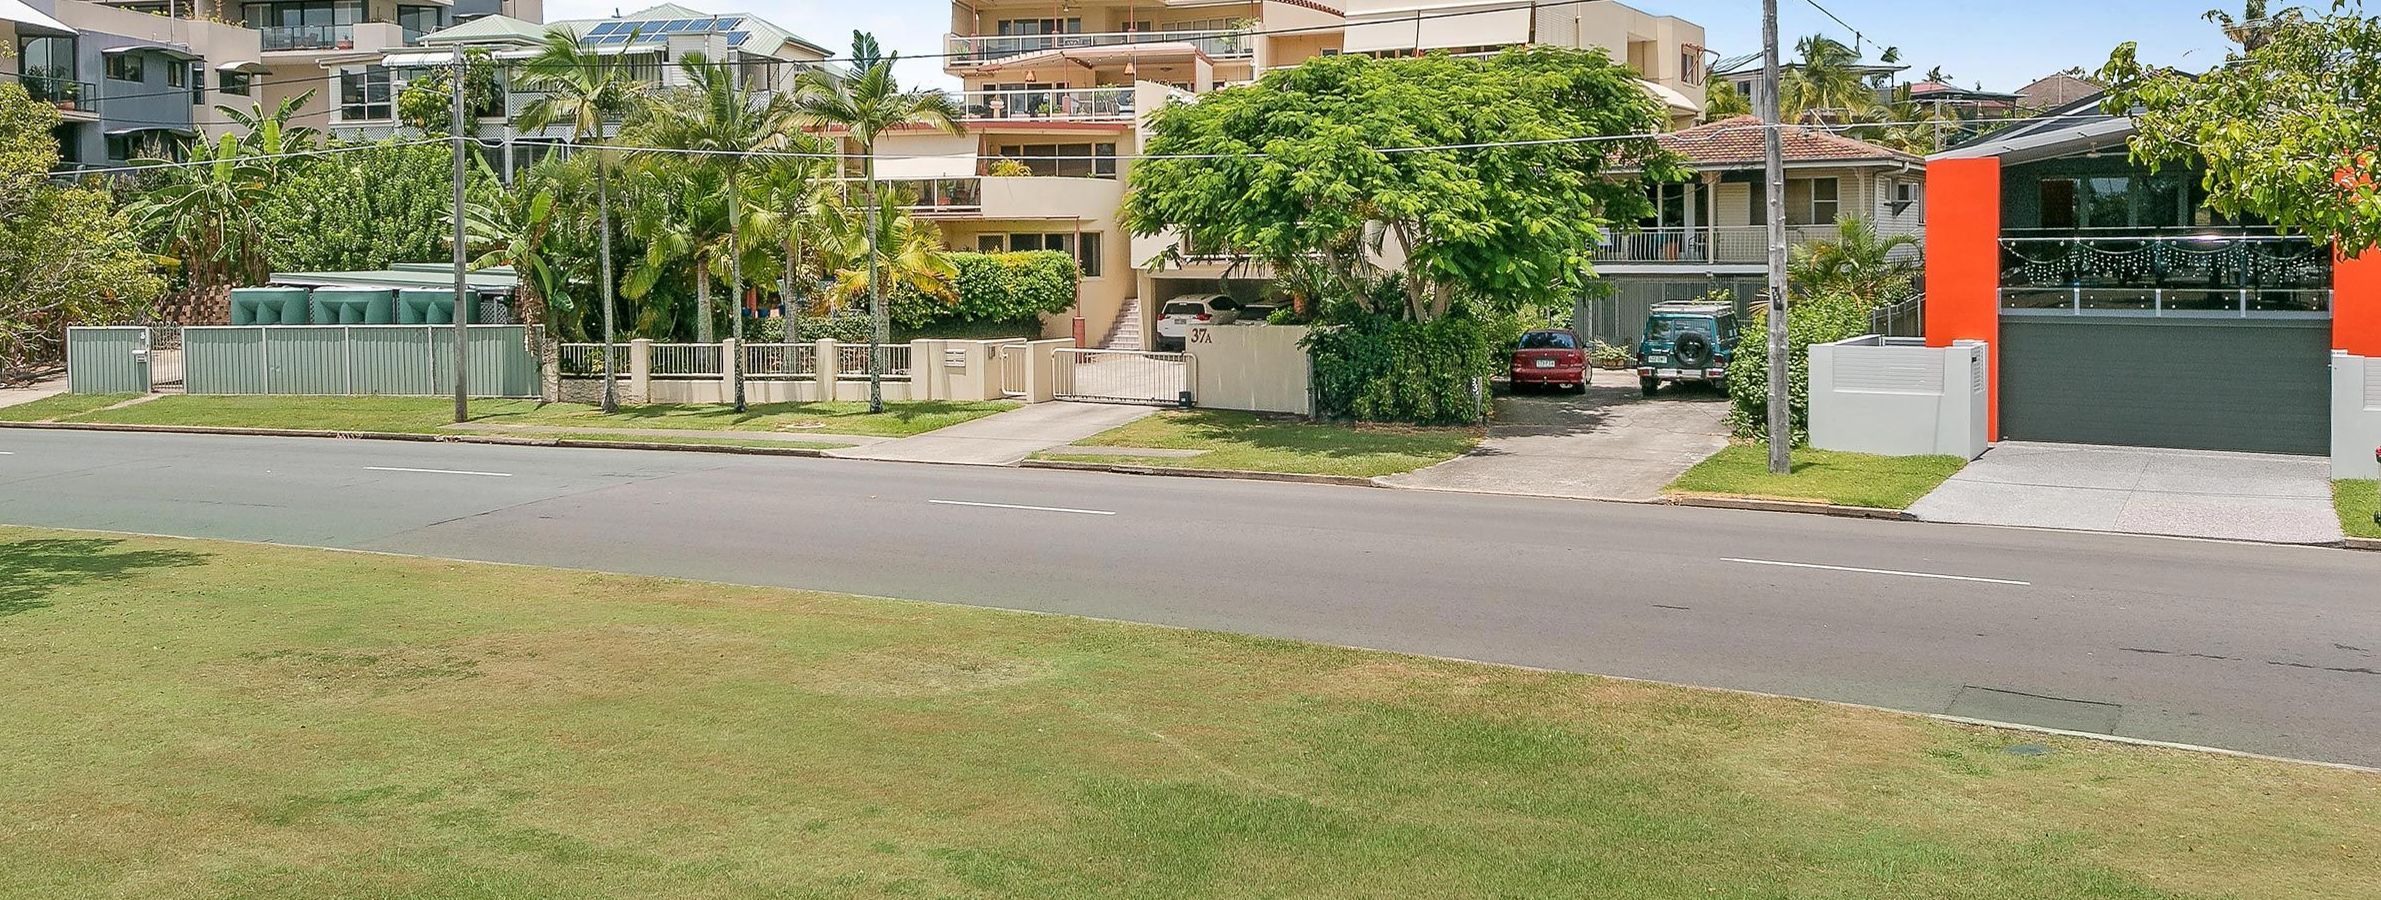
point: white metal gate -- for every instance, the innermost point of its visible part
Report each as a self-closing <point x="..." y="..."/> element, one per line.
<point x="1123" y="376"/>
<point x="1010" y="360"/>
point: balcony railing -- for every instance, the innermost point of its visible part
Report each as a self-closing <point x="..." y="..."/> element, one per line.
<point x="63" y="93"/>
<point x="1061" y="104"/>
<point x="307" y="37"/>
<point x="942" y="196"/>
<point x="982" y="48"/>
<point x="2201" y="261"/>
<point x="1725" y="245"/>
<point x="2234" y="303"/>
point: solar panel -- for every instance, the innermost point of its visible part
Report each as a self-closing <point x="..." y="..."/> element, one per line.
<point x="602" y="28"/>
<point x="738" y="39"/>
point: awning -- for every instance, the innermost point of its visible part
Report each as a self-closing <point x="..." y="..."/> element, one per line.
<point x="957" y="165"/>
<point x="1670" y="96"/>
<point x="247" y="66"/>
<point x="160" y="49"/>
<point x="26" y="16"/>
<point x="417" y="60"/>
<point x="165" y="129"/>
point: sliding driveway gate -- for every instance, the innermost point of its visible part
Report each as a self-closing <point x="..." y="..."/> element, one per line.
<point x="1122" y="376"/>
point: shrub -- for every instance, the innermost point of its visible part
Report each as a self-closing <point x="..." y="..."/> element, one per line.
<point x="1378" y="369"/>
<point x="992" y="288"/>
<point x="1816" y="319"/>
<point x="848" y="327"/>
<point x="1005" y="167"/>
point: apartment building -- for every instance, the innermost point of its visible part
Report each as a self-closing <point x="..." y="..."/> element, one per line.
<point x="138" y="77"/>
<point x="1057" y="96"/>
<point x="649" y="42"/>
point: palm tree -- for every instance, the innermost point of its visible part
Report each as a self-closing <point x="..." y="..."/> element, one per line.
<point x="586" y="90"/>
<point x="904" y="251"/>
<point x="1826" y="85"/>
<point x="510" y="230"/>
<point x="865" y="103"/>
<point x="1860" y="263"/>
<point x="799" y="202"/>
<point x="720" y="121"/>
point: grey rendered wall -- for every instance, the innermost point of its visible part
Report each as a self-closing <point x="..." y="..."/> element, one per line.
<point x="1260" y="368"/>
<point x="1896" y="398"/>
<point x="148" y="103"/>
<point x="2355" y="415"/>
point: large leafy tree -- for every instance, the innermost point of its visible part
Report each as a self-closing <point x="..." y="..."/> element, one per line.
<point x="717" y="119"/>
<point x="585" y="90"/>
<point x="364" y="208"/>
<point x="864" y="103"/>
<point x="1487" y="180"/>
<point x="427" y="104"/>
<point x="2286" y="128"/>
<point x="67" y="255"/>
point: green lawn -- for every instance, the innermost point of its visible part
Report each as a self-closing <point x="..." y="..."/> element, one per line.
<point x="2358" y="501"/>
<point x="1848" y="479"/>
<point x="198" y="719"/>
<point x="60" y="406"/>
<point x="1251" y="442"/>
<point x="422" y="415"/>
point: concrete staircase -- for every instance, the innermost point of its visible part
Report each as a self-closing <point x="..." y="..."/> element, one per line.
<point x="1126" y="333"/>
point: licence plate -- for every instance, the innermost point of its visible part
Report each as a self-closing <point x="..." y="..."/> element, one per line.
<point x="1674" y="373"/>
<point x="1543" y="363"/>
<point x="1657" y="357"/>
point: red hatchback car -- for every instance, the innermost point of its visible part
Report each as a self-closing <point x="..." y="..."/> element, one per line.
<point x="1550" y="357"/>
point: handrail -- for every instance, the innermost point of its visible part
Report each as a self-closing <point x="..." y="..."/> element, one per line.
<point x="980" y="47"/>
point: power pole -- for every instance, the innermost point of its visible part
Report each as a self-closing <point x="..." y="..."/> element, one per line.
<point x="462" y="299"/>
<point x="1781" y="427"/>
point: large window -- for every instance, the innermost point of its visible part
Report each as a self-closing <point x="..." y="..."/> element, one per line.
<point x="49" y="69"/>
<point x="1074" y="160"/>
<point x="419" y="20"/>
<point x="1087" y="260"/>
<point x="2115" y="202"/>
<point x="364" y="93"/>
<point x="127" y="66"/>
<point x="294" y="13"/>
<point x="231" y="82"/>
<point x="1670" y="202"/>
<point x="1007" y="27"/>
<point x="1813" y="201"/>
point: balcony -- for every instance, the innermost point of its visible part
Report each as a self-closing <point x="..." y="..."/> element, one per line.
<point x="1036" y="197"/>
<point x="307" y="37"/>
<point x="66" y="94"/>
<point x="1733" y="245"/>
<point x="1101" y="104"/>
<point x="2233" y="274"/>
<point x="942" y="197"/>
<point x="973" y="49"/>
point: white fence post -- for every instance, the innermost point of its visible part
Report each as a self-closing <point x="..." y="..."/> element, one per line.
<point x="728" y="348"/>
<point x="640" y="369"/>
<point x="826" y="364"/>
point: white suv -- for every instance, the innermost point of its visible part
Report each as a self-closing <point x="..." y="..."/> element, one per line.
<point x="1174" y="320"/>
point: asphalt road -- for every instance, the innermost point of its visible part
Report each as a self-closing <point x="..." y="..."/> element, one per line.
<point x="2261" y="648"/>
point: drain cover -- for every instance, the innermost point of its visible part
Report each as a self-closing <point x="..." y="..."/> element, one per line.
<point x="2022" y="708"/>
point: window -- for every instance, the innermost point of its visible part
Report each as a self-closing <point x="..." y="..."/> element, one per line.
<point x="1760" y="200"/>
<point x="1690" y="64"/>
<point x="126" y="67"/>
<point x="418" y="20"/>
<point x="364" y="92"/>
<point x="2116" y="202"/>
<point x="1072" y="160"/>
<point x="177" y="76"/>
<point x="1812" y="201"/>
<point x="198" y="84"/>
<point x="1670" y="202"/>
<point x="1905" y="197"/>
<point x="231" y="82"/>
<point x="1549" y="340"/>
<point x="1088" y="260"/>
<point x="48" y="64"/>
<point x="1008" y="27"/>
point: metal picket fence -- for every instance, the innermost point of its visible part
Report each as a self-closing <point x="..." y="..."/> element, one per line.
<point x="851" y="361"/>
<point x="1904" y="319"/>
<point x="780" y="360"/>
<point x="588" y="359"/>
<point x="686" y="361"/>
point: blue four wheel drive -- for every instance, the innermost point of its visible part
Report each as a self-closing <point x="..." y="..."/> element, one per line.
<point x="1687" y="342"/>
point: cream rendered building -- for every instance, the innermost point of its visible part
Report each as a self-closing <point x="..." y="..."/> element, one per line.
<point x="1062" y="91"/>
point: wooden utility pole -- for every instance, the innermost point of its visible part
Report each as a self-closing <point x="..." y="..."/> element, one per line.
<point x="1781" y="427"/>
<point x="462" y="297"/>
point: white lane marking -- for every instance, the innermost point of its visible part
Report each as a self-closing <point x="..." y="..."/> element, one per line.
<point x="439" y="471"/>
<point x="1797" y="565"/>
<point x="8" y="453"/>
<point x="1056" y="509"/>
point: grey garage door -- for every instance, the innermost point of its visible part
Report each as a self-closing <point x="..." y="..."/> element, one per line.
<point x="2198" y="384"/>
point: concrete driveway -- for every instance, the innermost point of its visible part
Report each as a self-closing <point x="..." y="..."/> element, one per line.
<point x="2138" y="490"/>
<point x="1611" y="443"/>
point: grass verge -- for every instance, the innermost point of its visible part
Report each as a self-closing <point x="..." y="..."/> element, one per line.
<point x="1846" y="479"/>
<point x="1251" y="442"/>
<point x="2358" y="501"/>
<point x="213" y="720"/>
<point x="425" y="415"/>
<point x="601" y="437"/>
<point x="60" y="406"/>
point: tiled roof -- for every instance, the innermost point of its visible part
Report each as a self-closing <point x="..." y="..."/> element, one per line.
<point x="1737" y="142"/>
<point x="2055" y="91"/>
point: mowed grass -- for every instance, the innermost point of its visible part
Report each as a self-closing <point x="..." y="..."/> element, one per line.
<point x="423" y="415"/>
<point x="1251" y="442"/>
<point x="60" y="406"/>
<point x="197" y="719"/>
<point x="2358" y="501"/>
<point x="1847" y="479"/>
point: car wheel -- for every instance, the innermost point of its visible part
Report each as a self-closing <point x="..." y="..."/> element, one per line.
<point x="1650" y="386"/>
<point x="1579" y="388"/>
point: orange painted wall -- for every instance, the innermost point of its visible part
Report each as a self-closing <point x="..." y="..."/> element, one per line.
<point x="1963" y="260"/>
<point x="2356" y="304"/>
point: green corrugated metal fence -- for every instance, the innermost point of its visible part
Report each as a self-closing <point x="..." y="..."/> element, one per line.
<point x="355" y="359"/>
<point x="107" y="360"/>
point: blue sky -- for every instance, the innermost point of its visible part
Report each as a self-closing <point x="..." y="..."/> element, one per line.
<point x="2002" y="43"/>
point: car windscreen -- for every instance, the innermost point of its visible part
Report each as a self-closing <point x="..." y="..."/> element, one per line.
<point x="1548" y="340"/>
<point x="1185" y="308"/>
<point x="1668" y="328"/>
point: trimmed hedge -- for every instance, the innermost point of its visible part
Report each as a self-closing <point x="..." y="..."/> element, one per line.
<point x="1816" y="319"/>
<point x="993" y="288"/>
<point x="1383" y="370"/>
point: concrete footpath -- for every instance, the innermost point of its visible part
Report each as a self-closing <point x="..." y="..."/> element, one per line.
<point x="2141" y="490"/>
<point x="1006" y="438"/>
<point x="11" y="396"/>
